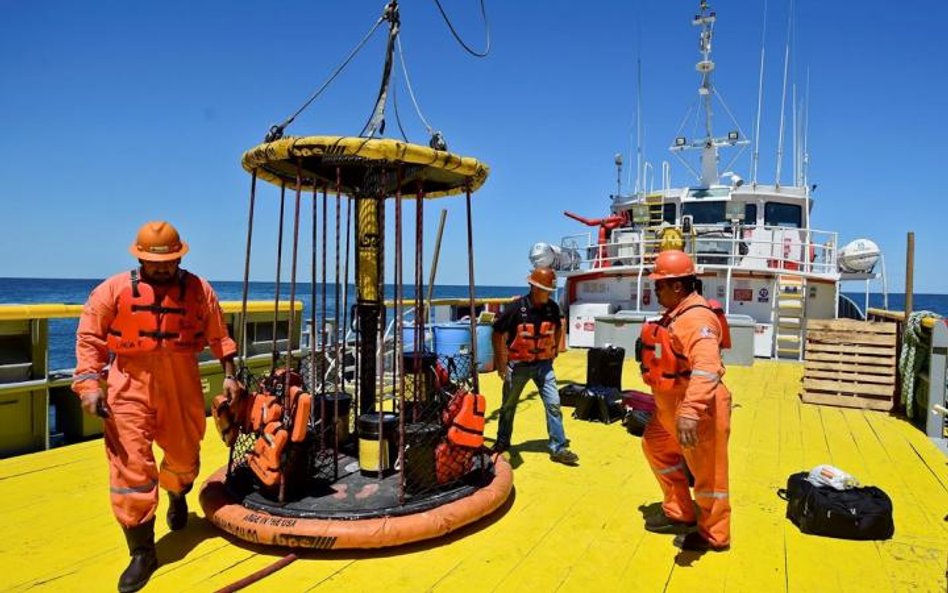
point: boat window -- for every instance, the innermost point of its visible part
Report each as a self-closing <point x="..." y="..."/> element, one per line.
<point x="668" y="213"/>
<point x="709" y="192"/>
<point x="704" y="212"/>
<point x="787" y="215"/>
<point x="750" y="214"/>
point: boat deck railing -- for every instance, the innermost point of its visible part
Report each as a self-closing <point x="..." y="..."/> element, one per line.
<point x="930" y="381"/>
<point x="752" y="248"/>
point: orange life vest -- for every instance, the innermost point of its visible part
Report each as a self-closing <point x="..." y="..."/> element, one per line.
<point x="661" y="366"/>
<point x="266" y="458"/>
<point x="718" y="310"/>
<point x="264" y="409"/>
<point x="229" y="416"/>
<point x="452" y="462"/>
<point x="467" y="424"/>
<point x="530" y="343"/>
<point x="143" y="324"/>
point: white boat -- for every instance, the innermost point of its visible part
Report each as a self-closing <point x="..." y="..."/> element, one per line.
<point x="755" y="246"/>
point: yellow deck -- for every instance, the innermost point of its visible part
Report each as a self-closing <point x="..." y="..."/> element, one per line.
<point x="566" y="529"/>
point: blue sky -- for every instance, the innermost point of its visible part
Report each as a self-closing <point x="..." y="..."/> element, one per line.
<point x="118" y="112"/>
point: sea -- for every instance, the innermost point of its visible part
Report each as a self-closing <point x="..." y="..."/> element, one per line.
<point x="62" y="332"/>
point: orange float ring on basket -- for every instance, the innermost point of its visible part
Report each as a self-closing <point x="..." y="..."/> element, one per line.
<point x="260" y="527"/>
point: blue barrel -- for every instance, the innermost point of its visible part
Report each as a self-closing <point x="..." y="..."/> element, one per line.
<point x="485" y="348"/>
<point x="408" y="338"/>
<point x="451" y="338"/>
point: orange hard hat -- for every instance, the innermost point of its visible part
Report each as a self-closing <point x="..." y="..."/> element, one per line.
<point x="672" y="263"/>
<point x="158" y="240"/>
<point x="543" y="278"/>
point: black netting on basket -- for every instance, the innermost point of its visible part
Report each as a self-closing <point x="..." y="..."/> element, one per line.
<point x="432" y="462"/>
<point x="458" y="367"/>
<point x="423" y="388"/>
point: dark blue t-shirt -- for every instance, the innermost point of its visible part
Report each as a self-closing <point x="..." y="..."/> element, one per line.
<point x="523" y="311"/>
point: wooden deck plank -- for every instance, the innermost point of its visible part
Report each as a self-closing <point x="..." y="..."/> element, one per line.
<point x="852" y="351"/>
<point x="840" y="338"/>
<point x="847" y="387"/>
<point x="845" y="365"/>
<point x="849" y="377"/>
<point x="848" y="400"/>
<point x="849" y="358"/>
<point x="853" y="325"/>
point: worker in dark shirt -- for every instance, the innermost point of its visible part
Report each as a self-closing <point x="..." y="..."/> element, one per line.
<point x="526" y="340"/>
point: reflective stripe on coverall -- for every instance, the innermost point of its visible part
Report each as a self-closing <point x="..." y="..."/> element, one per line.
<point x="154" y="396"/>
<point x="704" y="398"/>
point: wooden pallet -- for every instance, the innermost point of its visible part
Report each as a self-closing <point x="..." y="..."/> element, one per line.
<point x="850" y="363"/>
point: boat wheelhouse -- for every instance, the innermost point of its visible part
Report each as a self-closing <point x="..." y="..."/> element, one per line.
<point x="756" y="249"/>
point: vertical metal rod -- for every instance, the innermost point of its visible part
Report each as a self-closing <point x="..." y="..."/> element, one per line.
<point x="314" y="341"/>
<point x="323" y="332"/>
<point x="279" y="263"/>
<point x="475" y="379"/>
<point x="289" y="404"/>
<point x="398" y="363"/>
<point x="340" y="385"/>
<point x="420" y="238"/>
<point x="324" y="339"/>
<point x="242" y="328"/>
<point x="909" y="273"/>
<point x="421" y="314"/>
<point x="380" y="335"/>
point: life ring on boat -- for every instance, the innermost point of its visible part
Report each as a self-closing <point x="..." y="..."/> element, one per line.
<point x="671" y="238"/>
<point x="260" y="527"/>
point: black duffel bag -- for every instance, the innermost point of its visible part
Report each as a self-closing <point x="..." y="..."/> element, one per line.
<point x="599" y="404"/>
<point x="856" y="513"/>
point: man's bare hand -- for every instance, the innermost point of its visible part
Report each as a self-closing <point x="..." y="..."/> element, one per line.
<point x="502" y="371"/>
<point x="233" y="389"/>
<point x="94" y="404"/>
<point x="687" y="432"/>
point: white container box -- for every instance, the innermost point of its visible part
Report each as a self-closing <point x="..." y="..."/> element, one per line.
<point x="764" y="340"/>
<point x="582" y="322"/>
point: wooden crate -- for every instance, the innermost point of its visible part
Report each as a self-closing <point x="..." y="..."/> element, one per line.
<point x="850" y="363"/>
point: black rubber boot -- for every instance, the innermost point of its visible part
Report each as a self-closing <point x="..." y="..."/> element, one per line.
<point x="141" y="546"/>
<point x="662" y="523"/>
<point x="177" y="510"/>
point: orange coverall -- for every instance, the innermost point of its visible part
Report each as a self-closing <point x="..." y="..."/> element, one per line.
<point x="702" y="397"/>
<point x="152" y="396"/>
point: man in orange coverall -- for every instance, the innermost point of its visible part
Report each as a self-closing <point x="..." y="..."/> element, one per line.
<point x="693" y="419"/>
<point x="142" y="330"/>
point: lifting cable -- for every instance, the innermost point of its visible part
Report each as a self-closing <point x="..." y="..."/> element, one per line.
<point x="276" y="131"/>
<point x="436" y="138"/>
<point x="458" y="37"/>
<point x="376" y="121"/>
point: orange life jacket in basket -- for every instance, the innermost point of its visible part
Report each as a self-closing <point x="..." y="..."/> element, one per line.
<point x="530" y="343"/>
<point x="661" y="366"/>
<point x="467" y="424"/>
<point x="266" y="458"/>
<point x="143" y="324"/>
<point x="229" y="416"/>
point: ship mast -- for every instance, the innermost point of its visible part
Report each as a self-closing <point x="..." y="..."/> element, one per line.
<point x="709" y="144"/>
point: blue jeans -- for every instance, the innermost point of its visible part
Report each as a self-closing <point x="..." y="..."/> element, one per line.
<point x="542" y="374"/>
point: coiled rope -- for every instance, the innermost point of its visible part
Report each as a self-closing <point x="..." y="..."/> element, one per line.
<point x="913" y="339"/>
